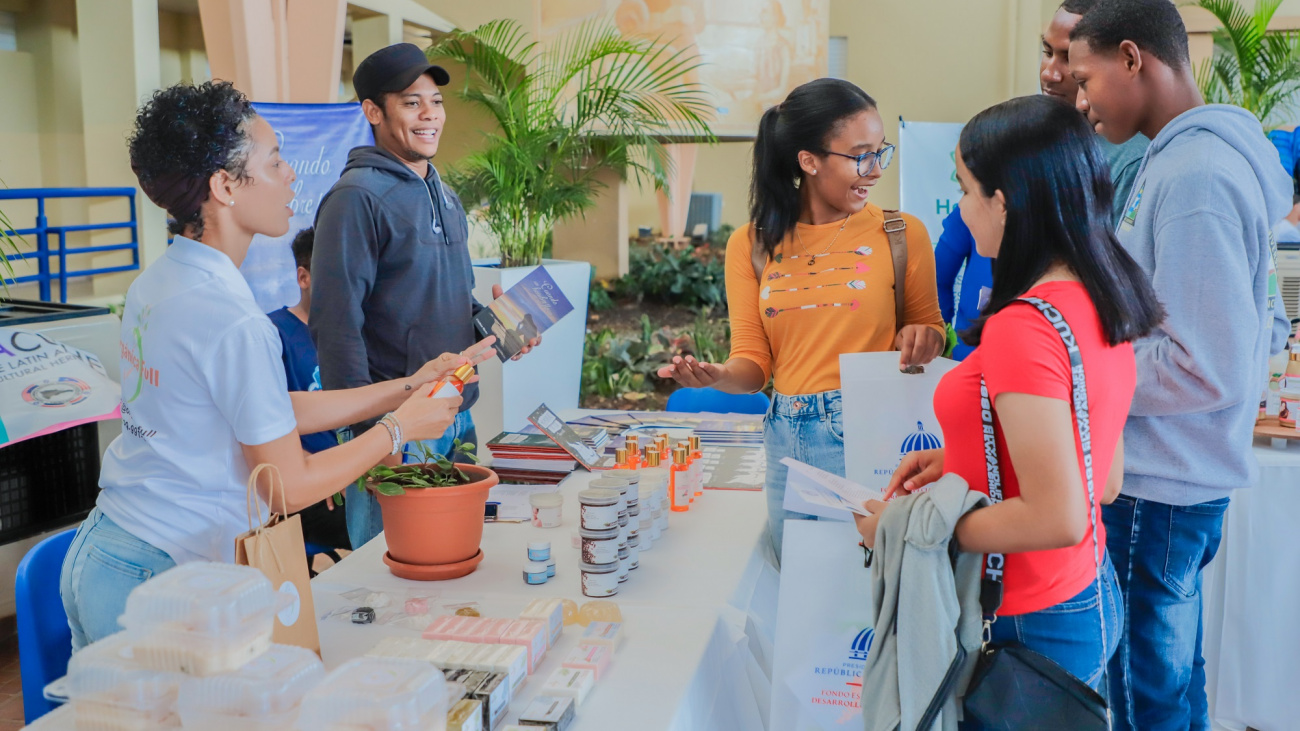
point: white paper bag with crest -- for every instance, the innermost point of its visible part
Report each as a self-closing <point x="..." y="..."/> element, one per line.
<point x="886" y="414"/>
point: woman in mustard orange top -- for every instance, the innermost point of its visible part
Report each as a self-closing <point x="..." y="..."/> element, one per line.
<point x="827" y="284"/>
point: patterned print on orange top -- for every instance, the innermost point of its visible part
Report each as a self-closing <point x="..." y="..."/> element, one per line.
<point x="814" y="303"/>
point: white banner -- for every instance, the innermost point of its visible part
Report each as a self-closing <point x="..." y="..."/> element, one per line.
<point x="886" y="414"/>
<point x="928" y="171"/>
<point x="46" y="386"/>
<point x="823" y="632"/>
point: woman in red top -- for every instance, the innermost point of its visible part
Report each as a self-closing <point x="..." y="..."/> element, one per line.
<point x="1037" y="197"/>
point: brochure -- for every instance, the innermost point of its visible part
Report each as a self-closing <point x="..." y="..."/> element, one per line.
<point x="818" y="492"/>
<point x="564" y="435"/>
<point x="527" y="310"/>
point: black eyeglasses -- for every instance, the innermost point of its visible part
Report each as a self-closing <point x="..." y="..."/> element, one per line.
<point x="867" y="161"/>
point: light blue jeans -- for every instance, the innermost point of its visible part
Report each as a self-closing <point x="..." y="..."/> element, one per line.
<point x="365" y="519"/>
<point x="810" y="429"/>
<point x="104" y="563"/>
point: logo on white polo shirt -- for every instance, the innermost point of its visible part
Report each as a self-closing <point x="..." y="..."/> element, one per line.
<point x="133" y="358"/>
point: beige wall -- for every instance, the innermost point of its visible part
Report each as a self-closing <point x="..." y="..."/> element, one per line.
<point x="970" y="56"/>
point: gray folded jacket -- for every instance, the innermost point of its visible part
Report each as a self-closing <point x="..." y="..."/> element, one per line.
<point x="924" y="603"/>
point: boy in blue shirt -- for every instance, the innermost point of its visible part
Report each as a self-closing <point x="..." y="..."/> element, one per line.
<point x="321" y="523"/>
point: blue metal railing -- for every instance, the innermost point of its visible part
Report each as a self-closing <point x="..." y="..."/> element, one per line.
<point x="43" y="231"/>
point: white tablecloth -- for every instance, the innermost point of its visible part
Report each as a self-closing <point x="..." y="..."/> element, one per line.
<point x="698" y="614"/>
<point x="1252" y="603"/>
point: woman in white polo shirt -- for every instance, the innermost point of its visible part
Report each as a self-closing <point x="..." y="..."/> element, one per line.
<point x="203" y="389"/>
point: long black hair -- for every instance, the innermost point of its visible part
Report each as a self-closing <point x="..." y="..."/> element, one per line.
<point x="1044" y="157"/>
<point x="804" y="121"/>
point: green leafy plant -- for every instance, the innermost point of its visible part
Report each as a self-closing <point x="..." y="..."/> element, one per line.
<point x="8" y="245"/>
<point x="689" y="277"/>
<point x="599" y="300"/>
<point x="434" y="470"/>
<point x="710" y="337"/>
<point x="1252" y="67"/>
<point x="590" y="101"/>
<point x="614" y="366"/>
<point x="722" y="235"/>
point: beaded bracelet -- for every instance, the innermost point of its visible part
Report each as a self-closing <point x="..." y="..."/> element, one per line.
<point x="396" y="426"/>
<point x="391" y="434"/>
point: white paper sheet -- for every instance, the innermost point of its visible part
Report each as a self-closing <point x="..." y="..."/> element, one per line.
<point x="821" y="493"/>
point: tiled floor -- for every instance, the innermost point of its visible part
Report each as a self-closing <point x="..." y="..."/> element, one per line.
<point x="11" y="689"/>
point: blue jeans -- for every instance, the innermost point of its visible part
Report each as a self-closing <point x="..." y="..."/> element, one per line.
<point x="104" y="563"/>
<point x="811" y="430"/>
<point x="365" y="519"/>
<point x="1157" y="678"/>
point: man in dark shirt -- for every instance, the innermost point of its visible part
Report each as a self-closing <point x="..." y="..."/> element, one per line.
<point x="321" y="523"/>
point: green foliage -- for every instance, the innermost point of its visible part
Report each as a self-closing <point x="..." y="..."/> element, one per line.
<point x="1252" y="67"/>
<point x="710" y="337"/>
<point x="599" y="300"/>
<point x="590" y="101"/>
<point x="719" y="238"/>
<point x="689" y="278"/>
<point x="434" y="470"/>
<point x="621" y="366"/>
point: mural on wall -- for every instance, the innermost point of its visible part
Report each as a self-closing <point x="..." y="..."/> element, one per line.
<point x="752" y="59"/>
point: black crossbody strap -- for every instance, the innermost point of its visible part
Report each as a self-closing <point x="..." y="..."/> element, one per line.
<point x="991" y="585"/>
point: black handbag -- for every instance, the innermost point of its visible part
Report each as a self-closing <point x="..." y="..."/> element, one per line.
<point x="1014" y="688"/>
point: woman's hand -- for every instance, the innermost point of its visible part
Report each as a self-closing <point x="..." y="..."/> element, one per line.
<point x="918" y="345"/>
<point x="425" y="418"/>
<point x="867" y="523"/>
<point x="447" y="363"/>
<point x="917" y="470"/>
<point x="693" y="373"/>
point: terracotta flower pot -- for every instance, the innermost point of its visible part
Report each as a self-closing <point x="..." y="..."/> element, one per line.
<point x="438" y="525"/>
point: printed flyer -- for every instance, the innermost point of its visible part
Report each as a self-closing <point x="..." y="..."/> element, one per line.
<point x="529" y="309"/>
<point x="47" y="386"/>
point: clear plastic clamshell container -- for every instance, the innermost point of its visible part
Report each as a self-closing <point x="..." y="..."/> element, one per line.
<point x="201" y="618"/>
<point x="110" y="690"/>
<point x="377" y="694"/>
<point x="264" y="695"/>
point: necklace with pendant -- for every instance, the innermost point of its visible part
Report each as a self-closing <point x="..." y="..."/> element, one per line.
<point x="813" y="257"/>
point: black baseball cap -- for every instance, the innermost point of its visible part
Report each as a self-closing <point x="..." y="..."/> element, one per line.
<point x="394" y="68"/>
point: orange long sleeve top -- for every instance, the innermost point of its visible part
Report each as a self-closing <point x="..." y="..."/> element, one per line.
<point x="797" y="321"/>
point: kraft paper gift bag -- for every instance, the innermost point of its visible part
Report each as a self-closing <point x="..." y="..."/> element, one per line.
<point x="886" y="414"/>
<point x="275" y="546"/>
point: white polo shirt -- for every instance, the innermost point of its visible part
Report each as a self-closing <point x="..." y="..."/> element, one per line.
<point x="201" y="374"/>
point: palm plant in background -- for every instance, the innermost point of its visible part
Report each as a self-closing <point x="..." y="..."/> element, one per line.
<point x="592" y="100"/>
<point x="1252" y="67"/>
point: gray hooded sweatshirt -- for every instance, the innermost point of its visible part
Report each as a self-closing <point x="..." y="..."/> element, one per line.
<point x="392" y="283"/>
<point x="1199" y="221"/>
<point x="923" y="601"/>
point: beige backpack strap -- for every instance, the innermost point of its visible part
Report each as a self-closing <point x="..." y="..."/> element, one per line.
<point x="896" y="230"/>
<point x="757" y="256"/>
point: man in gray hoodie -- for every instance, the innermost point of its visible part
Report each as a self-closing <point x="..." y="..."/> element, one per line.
<point x="392" y="283"/>
<point x="1199" y="221"/>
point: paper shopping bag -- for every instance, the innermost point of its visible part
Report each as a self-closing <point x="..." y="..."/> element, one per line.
<point x="275" y="546"/>
<point x="887" y="414"/>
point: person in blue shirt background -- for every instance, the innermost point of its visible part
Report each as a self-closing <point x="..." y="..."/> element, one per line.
<point x="321" y="523"/>
<point x="956" y="248"/>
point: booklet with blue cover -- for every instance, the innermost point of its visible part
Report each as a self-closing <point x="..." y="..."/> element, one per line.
<point x="524" y="312"/>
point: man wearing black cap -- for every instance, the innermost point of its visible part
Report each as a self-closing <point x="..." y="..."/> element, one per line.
<point x="391" y="277"/>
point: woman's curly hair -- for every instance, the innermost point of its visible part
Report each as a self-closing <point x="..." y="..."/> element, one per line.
<point x="182" y="136"/>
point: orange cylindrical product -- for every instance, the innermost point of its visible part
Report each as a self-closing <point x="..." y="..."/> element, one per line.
<point x="620" y="458"/>
<point x="633" y="452"/>
<point x="697" y="464"/>
<point x="679" y="483"/>
<point x="665" y="449"/>
<point x="651" y="458"/>
<point x="454" y="384"/>
<point x="690" y="469"/>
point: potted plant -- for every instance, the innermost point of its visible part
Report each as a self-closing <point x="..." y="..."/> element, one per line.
<point x="433" y="513"/>
<point x="1251" y="67"/>
<point x="589" y="102"/>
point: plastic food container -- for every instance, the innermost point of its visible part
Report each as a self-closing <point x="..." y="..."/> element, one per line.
<point x="547" y="509"/>
<point x="600" y="580"/>
<point x="110" y="690"/>
<point x="377" y="694"/>
<point x="264" y="695"/>
<point x="598" y="509"/>
<point x="201" y="618"/>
